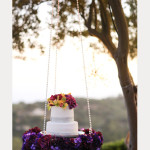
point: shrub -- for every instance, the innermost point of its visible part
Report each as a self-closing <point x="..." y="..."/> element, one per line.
<point x="118" y="145"/>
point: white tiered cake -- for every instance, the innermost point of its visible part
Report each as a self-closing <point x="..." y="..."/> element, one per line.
<point x="62" y="122"/>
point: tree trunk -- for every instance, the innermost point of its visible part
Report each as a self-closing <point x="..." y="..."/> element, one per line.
<point x="120" y="55"/>
<point x="126" y="80"/>
<point x="130" y="100"/>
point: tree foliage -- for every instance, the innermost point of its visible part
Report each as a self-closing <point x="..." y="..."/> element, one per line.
<point x="26" y="21"/>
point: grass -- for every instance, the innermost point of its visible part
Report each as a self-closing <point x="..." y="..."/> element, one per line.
<point x="17" y="143"/>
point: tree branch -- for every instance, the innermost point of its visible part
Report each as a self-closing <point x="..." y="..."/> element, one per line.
<point x="112" y="18"/>
<point x="103" y="36"/>
<point x="95" y="15"/>
<point x="104" y="18"/>
<point x="105" y="39"/>
<point x="123" y="45"/>
<point x="82" y="13"/>
<point x="89" y="23"/>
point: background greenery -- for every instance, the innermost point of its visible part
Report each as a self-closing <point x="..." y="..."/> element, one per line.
<point x="108" y="116"/>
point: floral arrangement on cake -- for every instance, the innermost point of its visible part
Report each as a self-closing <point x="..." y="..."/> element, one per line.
<point x="33" y="139"/>
<point x="62" y="100"/>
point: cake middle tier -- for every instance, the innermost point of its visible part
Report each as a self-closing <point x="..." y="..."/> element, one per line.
<point x="69" y="129"/>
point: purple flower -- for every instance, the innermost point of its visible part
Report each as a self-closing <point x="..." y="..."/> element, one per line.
<point x="71" y="101"/>
<point x="35" y="129"/>
<point x="87" y="131"/>
<point x="28" y="140"/>
<point x="55" y="148"/>
<point x="44" y="142"/>
<point x="34" y="140"/>
<point x="33" y="147"/>
<point x="77" y="141"/>
<point x="52" y="148"/>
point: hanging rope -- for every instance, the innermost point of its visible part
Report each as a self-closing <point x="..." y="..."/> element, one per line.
<point x="48" y="66"/>
<point x="88" y="103"/>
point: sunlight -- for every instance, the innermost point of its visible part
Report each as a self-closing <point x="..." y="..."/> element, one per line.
<point x="29" y="68"/>
<point x="29" y="76"/>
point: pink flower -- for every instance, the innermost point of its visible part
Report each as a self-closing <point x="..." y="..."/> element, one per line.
<point x="60" y="96"/>
<point x="52" y="97"/>
<point x="61" y="104"/>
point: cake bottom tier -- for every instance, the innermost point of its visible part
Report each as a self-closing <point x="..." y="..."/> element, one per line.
<point x="69" y="129"/>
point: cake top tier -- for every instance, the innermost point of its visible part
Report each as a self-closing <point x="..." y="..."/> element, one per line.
<point x="62" y="100"/>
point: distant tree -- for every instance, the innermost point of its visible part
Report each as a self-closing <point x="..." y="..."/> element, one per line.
<point x="101" y="18"/>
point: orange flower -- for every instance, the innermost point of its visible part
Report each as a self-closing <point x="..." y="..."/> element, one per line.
<point x="51" y="102"/>
<point x="60" y="101"/>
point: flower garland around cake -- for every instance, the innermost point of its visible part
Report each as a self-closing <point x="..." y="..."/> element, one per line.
<point x="62" y="100"/>
<point x="33" y="139"/>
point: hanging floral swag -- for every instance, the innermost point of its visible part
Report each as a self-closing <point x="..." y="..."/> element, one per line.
<point x="33" y="139"/>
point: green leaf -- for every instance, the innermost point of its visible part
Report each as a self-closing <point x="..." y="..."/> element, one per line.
<point x="49" y="107"/>
<point x="64" y="99"/>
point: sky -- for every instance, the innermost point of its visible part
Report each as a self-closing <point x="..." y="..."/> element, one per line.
<point x="29" y="76"/>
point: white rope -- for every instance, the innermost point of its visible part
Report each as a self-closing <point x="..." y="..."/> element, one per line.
<point x="89" y="113"/>
<point x="126" y="86"/>
<point x="48" y="66"/>
<point x="88" y="103"/>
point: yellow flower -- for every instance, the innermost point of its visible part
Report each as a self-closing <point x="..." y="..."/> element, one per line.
<point x="55" y="102"/>
<point x="48" y="99"/>
<point x="63" y="95"/>
<point x="63" y="99"/>
<point x="60" y="101"/>
<point x="58" y="97"/>
<point x="51" y="102"/>
<point x="65" y="105"/>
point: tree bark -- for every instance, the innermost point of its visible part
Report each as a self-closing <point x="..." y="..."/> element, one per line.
<point x="130" y="99"/>
<point x="120" y="55"/>
<point x="124" y="75"/>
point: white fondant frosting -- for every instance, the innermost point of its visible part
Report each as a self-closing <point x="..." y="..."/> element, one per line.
<point x="60" y="115"/>
<point x="62" y="122"/>
<point x="62" y="129"/>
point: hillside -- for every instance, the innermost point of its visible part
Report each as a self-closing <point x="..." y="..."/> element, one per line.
<point x="108" y="115"/>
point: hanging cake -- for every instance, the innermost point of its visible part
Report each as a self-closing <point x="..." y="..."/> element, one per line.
<point x="60" y="127"/>
<point x="62" y="124"/>
<point x="62" y="116"/>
